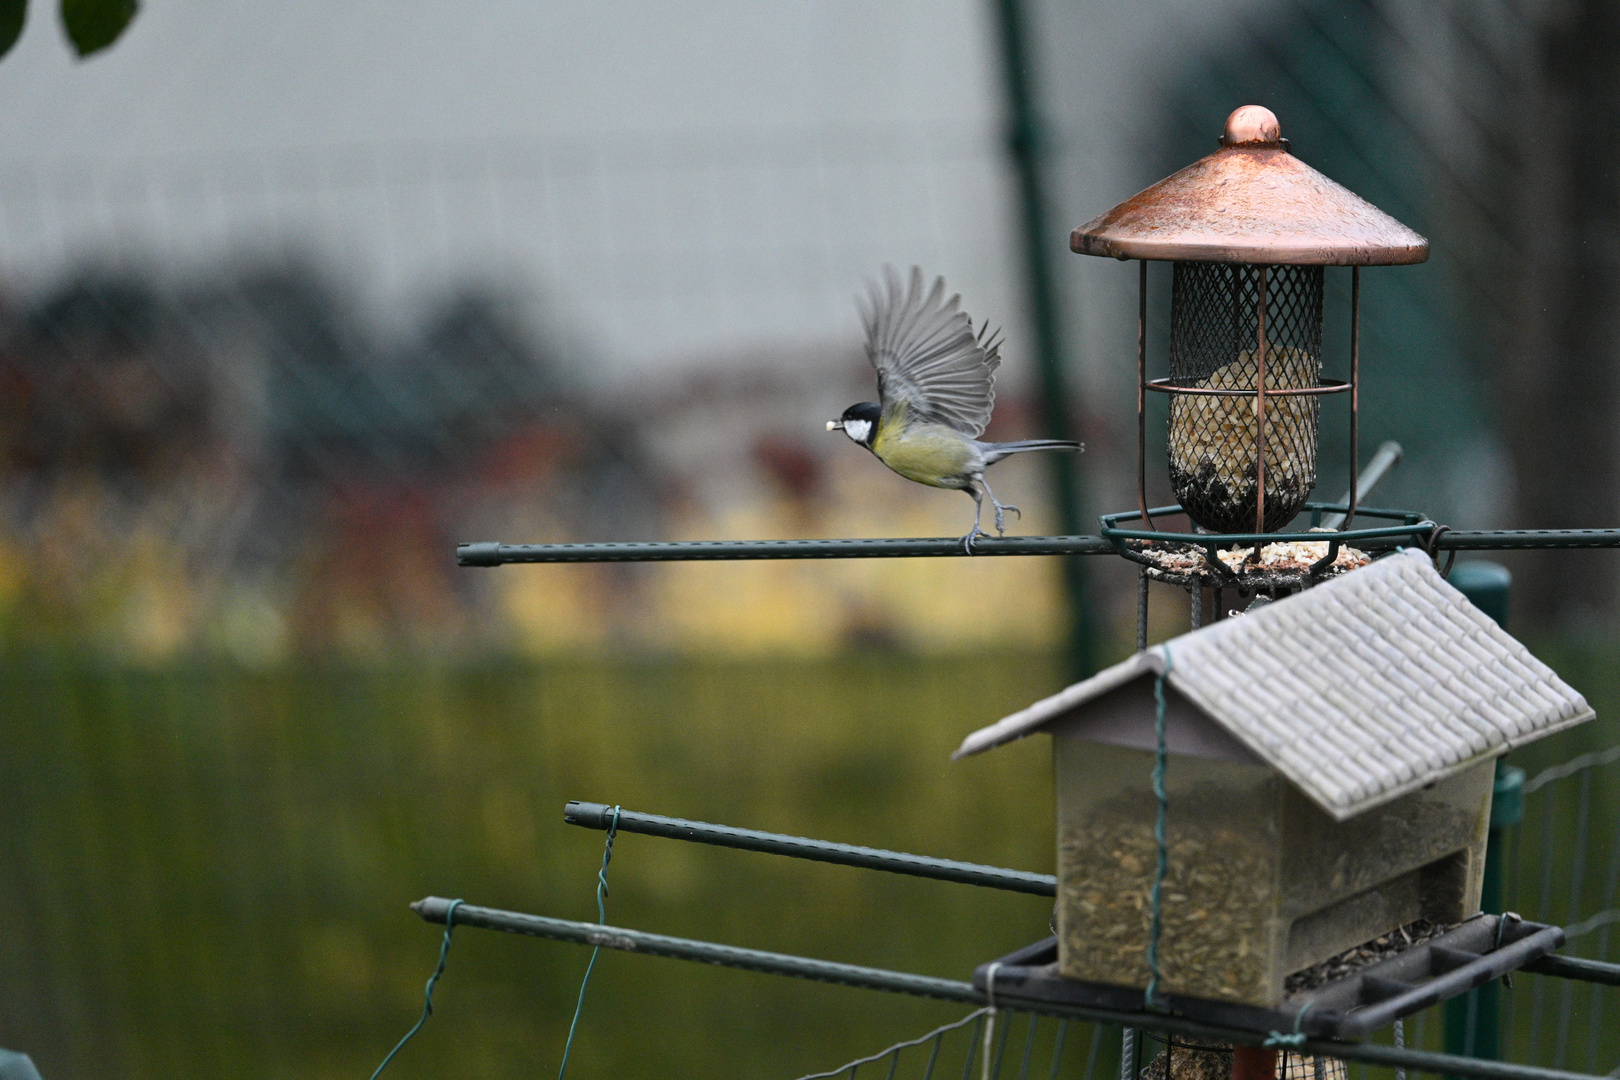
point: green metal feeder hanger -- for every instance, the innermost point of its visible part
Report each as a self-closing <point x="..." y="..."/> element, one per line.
<point x="1249" y="230"/>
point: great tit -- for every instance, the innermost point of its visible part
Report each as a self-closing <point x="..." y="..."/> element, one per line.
<point x="935" y="392"/>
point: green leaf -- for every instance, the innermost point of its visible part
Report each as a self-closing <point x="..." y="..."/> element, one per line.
<point x="13" y="13"/>
<point x="92" y="25"/>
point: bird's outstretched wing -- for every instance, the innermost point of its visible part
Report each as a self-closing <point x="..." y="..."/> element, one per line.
<point x="926" y="354"/>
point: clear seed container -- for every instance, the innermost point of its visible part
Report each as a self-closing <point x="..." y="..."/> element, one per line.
<point x="1260" y="883"/>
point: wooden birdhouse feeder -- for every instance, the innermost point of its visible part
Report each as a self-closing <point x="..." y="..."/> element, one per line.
<point x="1328" y="780"/>
<point x="1249" y="230"/>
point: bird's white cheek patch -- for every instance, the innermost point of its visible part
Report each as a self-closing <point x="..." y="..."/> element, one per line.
<point x="858" y="429"/>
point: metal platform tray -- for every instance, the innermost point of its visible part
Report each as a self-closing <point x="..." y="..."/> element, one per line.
<point x="1151" y="547"/>
<point x="1365" y="1000"/>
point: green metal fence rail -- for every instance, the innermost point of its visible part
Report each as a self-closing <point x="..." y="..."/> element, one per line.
<point x="1573" y="967"/>
<point x="1563" y="862"/>
<point x="491" y="553"/>
<point x="599" y="816"/>
<point x="495" y="554"/>
<point x="433" y="909"/>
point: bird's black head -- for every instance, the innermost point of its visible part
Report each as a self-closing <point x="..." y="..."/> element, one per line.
<point x="859" y="422"/>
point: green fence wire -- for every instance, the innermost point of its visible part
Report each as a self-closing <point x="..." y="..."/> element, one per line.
<point x="1563" y="862"/>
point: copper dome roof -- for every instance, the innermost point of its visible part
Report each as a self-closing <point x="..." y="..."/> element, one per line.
<point x="1251" y="201"/>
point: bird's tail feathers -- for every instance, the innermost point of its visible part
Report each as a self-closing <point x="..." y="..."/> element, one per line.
<point x="994" y="452"/>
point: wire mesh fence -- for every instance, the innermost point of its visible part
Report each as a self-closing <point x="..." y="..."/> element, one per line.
<point x="977" y="1045"/>
<point x="1564" y="861"/>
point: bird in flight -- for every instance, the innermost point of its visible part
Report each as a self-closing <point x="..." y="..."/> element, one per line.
<point x="935" y="391"/>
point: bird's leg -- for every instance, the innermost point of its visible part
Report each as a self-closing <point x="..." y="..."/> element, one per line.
<point x="1001" y="509"/>
<point x="978" y="509"/>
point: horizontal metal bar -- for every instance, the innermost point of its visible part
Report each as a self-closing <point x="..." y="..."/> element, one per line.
<point x="1573" y="967"/>
<point x="1387" y="513"/>
<point x="433" y="910"/>
<point x="497" y="554"/>
<point x="599" y="816"/>
<point x="1372" y="538"/>
<point x="1525" y="539"/>
<point x="493" y="554"/>
<point x="1165" y="386"/>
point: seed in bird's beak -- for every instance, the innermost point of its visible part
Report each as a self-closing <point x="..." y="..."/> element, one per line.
<point x="834" y="425"/>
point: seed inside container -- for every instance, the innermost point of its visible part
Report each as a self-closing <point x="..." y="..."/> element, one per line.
<point x="1213" y="442"/>
<point x="1224" y="319"/>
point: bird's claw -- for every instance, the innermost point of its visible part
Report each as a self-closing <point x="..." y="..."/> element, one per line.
<point x="973" y="534"/>
<point x="1001" y="510"/>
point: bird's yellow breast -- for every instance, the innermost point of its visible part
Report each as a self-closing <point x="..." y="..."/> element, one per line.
<point x="927" y="453"/>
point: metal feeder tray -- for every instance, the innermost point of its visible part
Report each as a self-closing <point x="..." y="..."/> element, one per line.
<point x="1215" y="574"/>
<point x="1363" y="1001"/>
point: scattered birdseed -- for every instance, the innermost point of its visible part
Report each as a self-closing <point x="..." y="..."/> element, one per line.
<point x="1294" y="555"/>
<point x="1278" y="564"/>
<point x="1369" y="952"/>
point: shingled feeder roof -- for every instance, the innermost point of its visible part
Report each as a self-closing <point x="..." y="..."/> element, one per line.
<point x="1251" y="201"/>
<point x="1358" y="690"/>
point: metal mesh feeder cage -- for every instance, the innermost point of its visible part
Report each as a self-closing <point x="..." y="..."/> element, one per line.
<point x="1180" y="1057"/>
<point x="1231" y="324"/>
<point x="1250" y="229"/>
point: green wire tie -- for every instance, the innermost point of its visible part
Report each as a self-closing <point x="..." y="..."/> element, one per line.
<point x="427" y="1003"/>
<point x="601" y="918"/>
<point x="1277" y="1038"/>
<point x="1501" y="925"/>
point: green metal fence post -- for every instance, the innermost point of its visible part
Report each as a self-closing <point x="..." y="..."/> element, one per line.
<point x="1027" y="146"/>
<point x="1473" y="1021"/>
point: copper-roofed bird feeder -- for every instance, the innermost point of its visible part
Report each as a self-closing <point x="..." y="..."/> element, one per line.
<point x="1249" y="229"/>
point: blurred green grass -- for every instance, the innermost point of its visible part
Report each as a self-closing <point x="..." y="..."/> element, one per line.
<point x="204" y="869"/>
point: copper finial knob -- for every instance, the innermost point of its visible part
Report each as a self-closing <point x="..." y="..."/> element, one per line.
<point x="1252" y="124"/>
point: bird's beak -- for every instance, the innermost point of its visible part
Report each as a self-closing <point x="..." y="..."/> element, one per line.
<point x="835" y="425"/>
